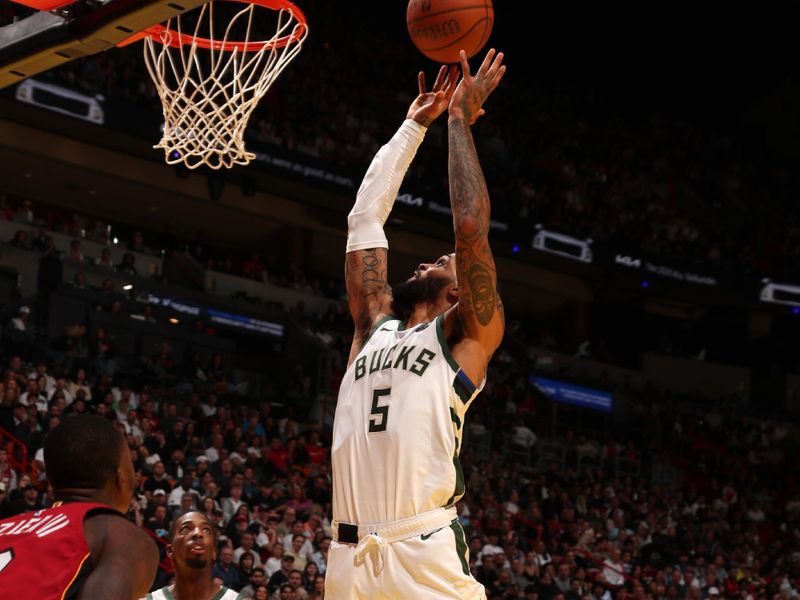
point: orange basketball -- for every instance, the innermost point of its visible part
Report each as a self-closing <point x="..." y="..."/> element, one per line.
<point x="442" y="28"/>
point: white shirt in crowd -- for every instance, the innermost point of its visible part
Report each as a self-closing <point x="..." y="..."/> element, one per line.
<point x="306" y="550"/>
<point x="174" y="499"/>
<point x="613" y="572"/>
<point x="40" y="401"/>
<point x="49" y="384"/>
<point x="523" y="436"/>
<point x="67" y="396"/>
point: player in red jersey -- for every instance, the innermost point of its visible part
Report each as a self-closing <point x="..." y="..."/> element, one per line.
<point x="82" y="547"/>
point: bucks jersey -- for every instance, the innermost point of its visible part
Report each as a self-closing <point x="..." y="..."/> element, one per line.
<point x="398" y="426"/>
<point x="223" y="594"/>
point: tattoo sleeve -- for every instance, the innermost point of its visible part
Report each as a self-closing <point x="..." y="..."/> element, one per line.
<point x="367" y="287"/>
<point x="479" y="306"/>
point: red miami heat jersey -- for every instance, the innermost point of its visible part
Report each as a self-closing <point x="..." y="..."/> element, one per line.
<point x="43" y="554"/>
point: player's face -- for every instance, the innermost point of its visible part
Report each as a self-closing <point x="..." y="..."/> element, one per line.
<point x="444" y="266"/>
<point x="193" y="543"/>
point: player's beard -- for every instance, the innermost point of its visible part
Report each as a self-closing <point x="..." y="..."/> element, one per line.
<point x="196" y="563"/>
<point x="406" y="295"/>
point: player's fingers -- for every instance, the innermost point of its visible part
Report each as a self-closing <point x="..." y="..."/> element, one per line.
<point x="496" y="64"/>
<point x="440" y="78"/>
<point x="464" y="64"/>
<point x="487" y="61"/>
<point x="452" y="81"/>
<point x="498" y="76"/>
<point x="421" y="82"/>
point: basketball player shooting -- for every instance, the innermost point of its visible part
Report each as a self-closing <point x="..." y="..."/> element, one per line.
<point x="82" y="547"/>
<point x="419" y="358"/>
<point x="193" y="550"/>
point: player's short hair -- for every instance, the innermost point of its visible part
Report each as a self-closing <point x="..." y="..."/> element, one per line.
<point x="82" y="452"/>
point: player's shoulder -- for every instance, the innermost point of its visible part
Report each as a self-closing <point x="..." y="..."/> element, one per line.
<point x="112" y="533"/>
<point x="158" y="595"/>
<point x="386" y="323"/>
<point x="228" y="594"/>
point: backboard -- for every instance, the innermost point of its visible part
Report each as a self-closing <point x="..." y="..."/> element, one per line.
<point x="64" y="30"/>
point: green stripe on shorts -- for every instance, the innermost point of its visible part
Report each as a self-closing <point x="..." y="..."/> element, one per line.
<point x="461" y="545"/>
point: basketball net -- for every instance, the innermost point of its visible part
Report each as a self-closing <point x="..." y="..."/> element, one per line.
<point x="209" y="87"/>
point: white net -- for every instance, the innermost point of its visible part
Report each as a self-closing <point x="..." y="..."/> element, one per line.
<point x="210" y="85"/>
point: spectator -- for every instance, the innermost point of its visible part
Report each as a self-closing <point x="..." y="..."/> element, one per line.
<point x="184" y="487"/>
<point x="75" y="254"/>
<point x="28" y="502"/>
<point x="79" y="382"/>
<point x="226" y="570"/>
<point x="253" y="268"/>
<point x="19" y="336"/>
<point x="247" y="546"/>
<point x="24" y="213"/>
<point x="281" y="576"/>
<point x="522" y="436"/>
<point x="257" y="580"/>
<point x="246" y="563"/>
<point x="8" y="476"/>
<point x="287" y="592"/>
<point x="20" y="240"/>
<point x="79" y="281"/>
<point x="309" y="578"/>
<point x="128" y="265"/>
<point x="274" y="562"/>
<point x="137" y="243"/>
<point x="105" y="261"/>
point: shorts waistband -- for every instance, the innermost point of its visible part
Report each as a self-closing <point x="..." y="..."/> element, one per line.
<point x="394" y="531"/>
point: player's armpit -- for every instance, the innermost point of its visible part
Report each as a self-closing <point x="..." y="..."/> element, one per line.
<point x="124" y="559"/>
<point x="369" y="294"/>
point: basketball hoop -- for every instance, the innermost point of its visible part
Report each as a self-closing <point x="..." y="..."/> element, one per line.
<point x="209" y="85"/>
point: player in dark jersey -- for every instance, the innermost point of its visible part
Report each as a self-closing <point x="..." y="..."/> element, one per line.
<point x="82" y="547"/>
<point x="193" y="549"/>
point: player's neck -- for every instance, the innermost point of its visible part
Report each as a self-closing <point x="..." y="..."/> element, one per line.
<point x="83" y="495"/>
<point x="425" y="312"/>
<point x="194" y="585"/>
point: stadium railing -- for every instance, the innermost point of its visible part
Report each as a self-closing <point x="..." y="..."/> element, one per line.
<point x="17" y="451"/>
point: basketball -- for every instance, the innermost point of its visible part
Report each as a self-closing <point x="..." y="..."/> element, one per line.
<point x="440" y="29"/>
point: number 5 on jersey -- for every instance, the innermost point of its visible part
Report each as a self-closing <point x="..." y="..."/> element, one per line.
<point x="380" y="410"/>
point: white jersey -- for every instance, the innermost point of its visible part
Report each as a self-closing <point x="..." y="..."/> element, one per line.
<point x="223" y="594"/>
<point x="398" y="426"/>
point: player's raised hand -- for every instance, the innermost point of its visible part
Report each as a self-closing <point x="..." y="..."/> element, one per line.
<point x="473" y="90"/>
<point x="430" y="104"/>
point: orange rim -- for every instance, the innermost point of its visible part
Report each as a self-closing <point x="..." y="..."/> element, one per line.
<point x="159" y="33"/>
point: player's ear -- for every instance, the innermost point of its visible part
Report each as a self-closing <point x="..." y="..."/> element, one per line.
<point x="169" y="550"/>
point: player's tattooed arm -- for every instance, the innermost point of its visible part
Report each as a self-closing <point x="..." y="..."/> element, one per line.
<point x="369" y="294"/>
<point x="479" y="308"/>
<point x="480" y="313"/>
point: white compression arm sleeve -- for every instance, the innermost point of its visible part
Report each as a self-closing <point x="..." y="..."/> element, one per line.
<point x="379" y="188"/>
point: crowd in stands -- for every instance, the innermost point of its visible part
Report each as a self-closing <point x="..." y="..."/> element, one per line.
<point x="565" y="158"/>
<point x="81" y="227"/>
